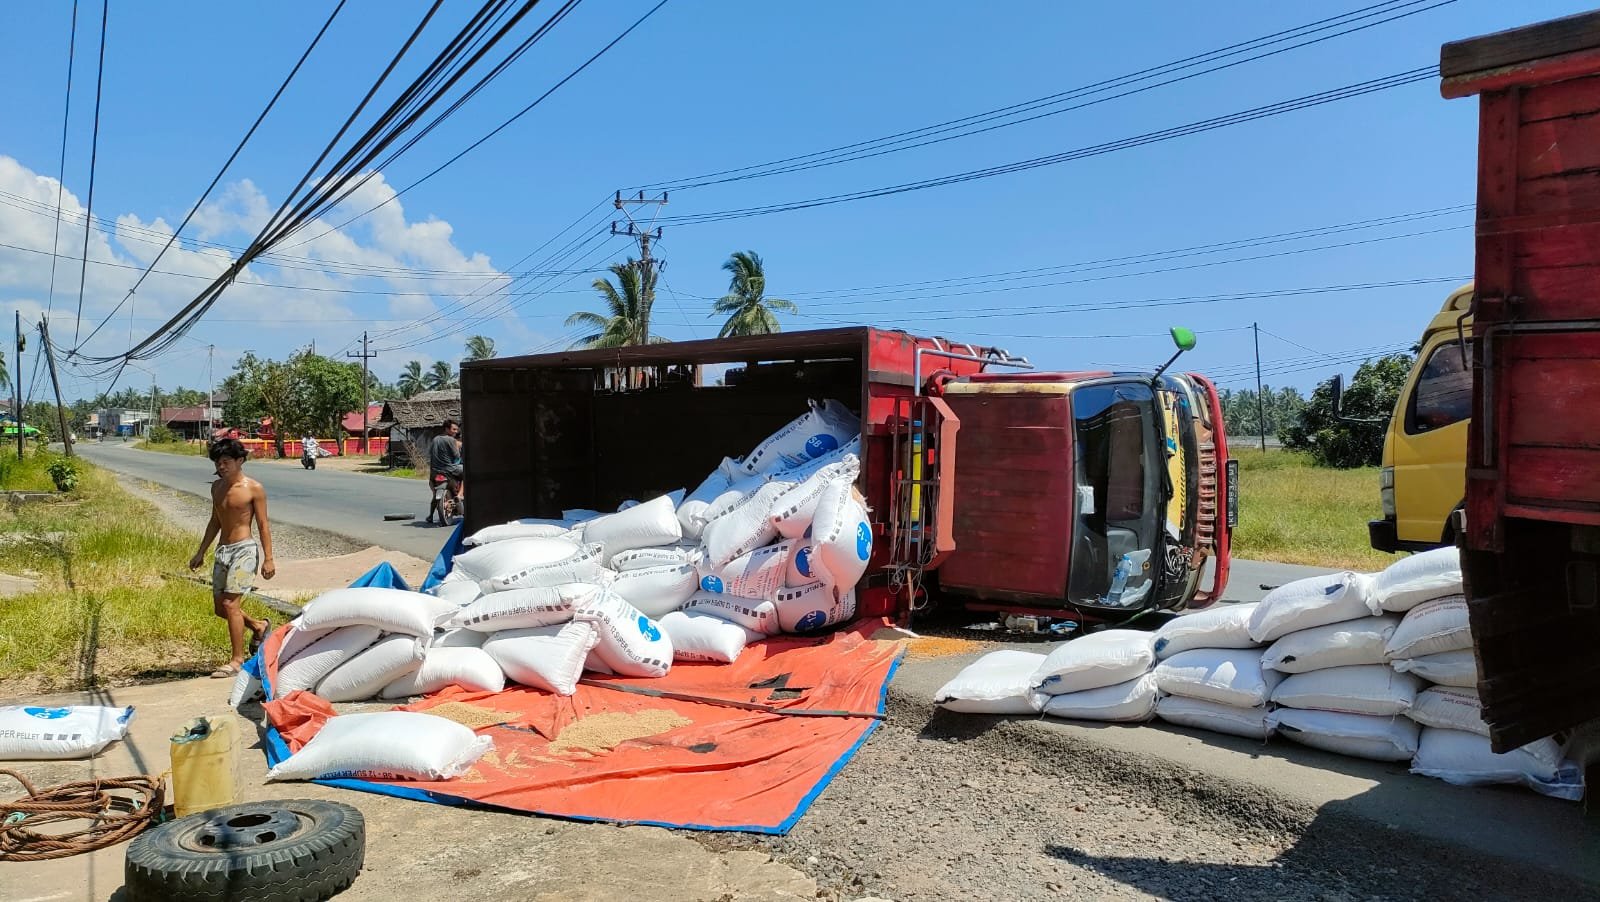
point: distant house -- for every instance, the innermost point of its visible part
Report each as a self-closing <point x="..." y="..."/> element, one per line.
<point x="352" y="421"/>
<point x="190" y="422"/>
<point x="413" y="422"/>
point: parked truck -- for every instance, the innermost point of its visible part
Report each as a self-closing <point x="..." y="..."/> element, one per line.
<point x="1006" y="489"/>
<point x="1530" y="531"/>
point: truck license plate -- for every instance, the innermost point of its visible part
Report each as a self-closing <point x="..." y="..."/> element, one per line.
<point x="1233" y="493"/>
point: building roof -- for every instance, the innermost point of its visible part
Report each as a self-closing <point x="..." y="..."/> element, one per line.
<point x="352" y="420"/>
<point x="184" y="414"/>
<point x="429" y="408"/>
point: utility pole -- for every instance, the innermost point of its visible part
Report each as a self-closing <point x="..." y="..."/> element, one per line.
<point x="50" y="357"/>
<point x="211" y="391"/>
<point x="1261" y="402"/>
<point x="365" y="355"/>
<point x="647" y="264"/>
<point x="155" y="405"/>
<point x="16" y="387"/>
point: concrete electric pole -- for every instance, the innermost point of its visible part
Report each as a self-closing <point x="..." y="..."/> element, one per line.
<point x="365" y="355"/>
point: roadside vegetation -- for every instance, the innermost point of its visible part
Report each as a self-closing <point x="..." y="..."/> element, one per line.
<point x="1295" y="512"/>
<point x="177" y="446"/>
<point x="102" y="613"/>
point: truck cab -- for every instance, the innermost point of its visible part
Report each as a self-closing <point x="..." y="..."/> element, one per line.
<point x="1423" y="479"/>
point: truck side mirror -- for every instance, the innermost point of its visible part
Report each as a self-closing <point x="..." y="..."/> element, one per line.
<point x="1184" y="339"/>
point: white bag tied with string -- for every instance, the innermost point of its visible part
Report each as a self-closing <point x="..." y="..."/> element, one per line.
<point x="703" y="637"/>
<point x="1431" y="628"/>
<point x="1219" y="626"/>
<point x="813" y="607"/>
<point x="322" y="656"/>
<point x="1127" y="702"/>
<point x="657" y="590"/>
<point x="59" y="733"/>
<point x="516" y="609"/>
<point x="1226" y="676"/>
<point x="758" y="616"/>
<point x="1309" y="602"/>
<point x="1251" y="723"/>
<point x="1466" y="759"/>
<point x="544" y="657"/>
<point x="365" y="674"/>
<point x="1361" y="689"/>
<point x="1412" y="580"/>
<point x="1447" y="668"/>
<point x="458" y="637"/>
<point x="1357" y="735"/>
<point x="822" y="429"/>
<point x="497" y="559"/>
<point x="743" y="529"/>
<point x="1000" y="682"/>
<point x="387" y="745"/>
<point x="1099" y="659"/>
<point x="759" y="574"/>
<point x="392" y="610"/>
<point x="584" y="566"/>
<point x="518" y="529"/>
<point x="646" y="525"/>
<point x="793" y="510"/>
<point x="1332" y="645"/>
<point x="692" y="511"/>
<point x="1450" y="708"/>
<point x="841" y="536"/>
<point x="631" y="644"/>
<point x="472" y="669"/>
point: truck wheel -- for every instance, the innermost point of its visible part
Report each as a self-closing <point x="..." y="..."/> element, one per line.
<point x="278" y="851"/>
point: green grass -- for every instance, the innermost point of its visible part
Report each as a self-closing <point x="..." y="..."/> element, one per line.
<point x="402" y="472"/>
<point x="103" y="612"/>
<point x="1297" y="513"/>
<point x="27" y="474"/>
<point x="187" y="449"/>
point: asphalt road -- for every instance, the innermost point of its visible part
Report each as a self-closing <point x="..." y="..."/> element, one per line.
<point x="354" y="504"/>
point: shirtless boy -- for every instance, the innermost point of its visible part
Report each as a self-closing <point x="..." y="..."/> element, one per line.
<point x="236" y="500"/>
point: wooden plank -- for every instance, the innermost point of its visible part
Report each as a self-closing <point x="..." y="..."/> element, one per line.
<point x="1557" y="293"/>
<point x="1544" y="398"/>
<point x="1520" y="45"/>
<point x="1558" y="146"/>
<point x="1572" y="245"/>
<point x="1554" y="477"/>
<point x="1577" y="97"/>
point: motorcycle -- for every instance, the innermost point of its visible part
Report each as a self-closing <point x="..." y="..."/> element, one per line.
<point x="448" y="497"/>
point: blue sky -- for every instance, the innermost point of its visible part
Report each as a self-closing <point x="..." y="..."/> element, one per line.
<point x="715" y="84"/>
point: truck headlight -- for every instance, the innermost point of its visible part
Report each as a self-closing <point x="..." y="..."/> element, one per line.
<point x="1386" y="491"/>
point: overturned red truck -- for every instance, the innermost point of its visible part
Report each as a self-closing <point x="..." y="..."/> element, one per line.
<point x="1067" y="495"/>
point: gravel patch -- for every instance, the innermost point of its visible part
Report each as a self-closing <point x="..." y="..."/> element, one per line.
<point x="191" y="513"/>
<point x="960" y="807"/>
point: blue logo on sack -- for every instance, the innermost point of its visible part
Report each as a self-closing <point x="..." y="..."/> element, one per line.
<point x="648" y="629"/>
<point x="863" y="540"/>
<point x="821" y="444"/>
<point x="47" y="713"/>
<point x="802" y="561"/>
<point x="711" y="584"/>
<point x="811" y="621"/>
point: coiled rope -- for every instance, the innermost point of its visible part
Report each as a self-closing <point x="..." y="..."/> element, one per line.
<point x="117" y="810"/>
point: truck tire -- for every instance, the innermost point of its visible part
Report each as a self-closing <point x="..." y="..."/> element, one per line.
<point x="281" y="851"/>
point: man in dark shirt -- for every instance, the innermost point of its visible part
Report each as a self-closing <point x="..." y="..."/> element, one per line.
<point x="444" y="463"/>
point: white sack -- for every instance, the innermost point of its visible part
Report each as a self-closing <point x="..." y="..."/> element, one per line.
<point x="457" y="637"/>
<point x="1251" y="723"/>
<point x="297" y="640"/>
<point x="1447" y="668"/>
<point x="703" y="637"/>
<point x="518" y="529"/>
<point x="388" y="745"/>
<point x="31" y="732"/>
<point x="841" y="536"/>
<point x="460" y="591"/>
<point x="365" y="674"/>
<point x="317" y="661"/>
<point x="1362" y="689"/>
<point x="470" y="668"/>
<point x="1099" y="659"/>
<point x="657" y="590"/>
<point x="1421" y="577"/>
<point x="644" y="558"/>
<point x="1000" y="682"/>
<point x="1356" y="735"/>
<point x="497" y="559"/>
<point x="814" y="606"/>
<point x="517" y="609"/>
<point x="246" y="688"/>
<point x="631" y="644"/>
<point x="822" y="429"/>
<point x="1309" y="602"/>
<point x="691" y="512"/>
<point x="760" y="616"/>
<point x="743" y="529"/>
<point x="1431" y="628"/>
<point x="738" y="491"/>
<point x="758" y="574"/>
<point x="1134" y="700"/>
<point x="582" y="567"/>
<point x="802" y="566"/>
<point x="1465" y="759"/>
<point x="792" y="511"/>
<point x="392" y="610"/>
<point x="544" y="657"/>
<point x="646" y="525"/>
<point x="1219" y="626"/>
<point x="1449" y="708"/>
<point x="1333" y="645"/>
<point x="1226" y="676"/>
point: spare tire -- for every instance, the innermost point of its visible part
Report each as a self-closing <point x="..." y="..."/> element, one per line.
<point x="281" y="850"/>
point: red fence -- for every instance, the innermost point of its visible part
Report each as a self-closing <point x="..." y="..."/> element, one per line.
<point x="264" y="447"/>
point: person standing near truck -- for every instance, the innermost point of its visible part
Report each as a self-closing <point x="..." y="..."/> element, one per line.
<point x="237" y="501"/>
<point x="444" y="466"/>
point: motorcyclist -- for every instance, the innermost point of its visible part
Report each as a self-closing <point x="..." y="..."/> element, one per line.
<point x="309" y="451"/>
<point x="444" y="468"/>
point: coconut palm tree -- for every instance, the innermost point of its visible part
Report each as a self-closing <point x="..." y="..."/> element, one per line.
<point x="746" y="305"/>
<point x="411" y="379"/>
<point x="440" y="376"/>
<point x="480" y="347"/>
<point x="628" y="302"/>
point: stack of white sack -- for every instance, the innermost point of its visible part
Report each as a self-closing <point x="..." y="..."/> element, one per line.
<point x="1210" y="674"/>
<point x="1434" y="641"/>
<point x="348" y="644"/>
<point x="1455" y="748"/>
<point x="1102" y="676"/>
<point x="1324" y="702"/>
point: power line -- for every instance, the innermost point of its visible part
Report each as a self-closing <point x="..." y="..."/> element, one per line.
<point x="980" y="123"/>
<point x="61" y="167"/>
<point x="1345" y="92"/>
<point x="94" y="155"/>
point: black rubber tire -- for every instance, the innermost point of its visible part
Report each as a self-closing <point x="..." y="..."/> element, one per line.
<point x="241" y="854"/>
<point x="392" y="517"/>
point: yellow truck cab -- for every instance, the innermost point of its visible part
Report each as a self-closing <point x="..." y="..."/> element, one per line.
<point x="1424" y="452"/>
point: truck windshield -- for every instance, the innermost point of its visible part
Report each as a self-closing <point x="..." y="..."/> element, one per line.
<point x="1117" y="478"/>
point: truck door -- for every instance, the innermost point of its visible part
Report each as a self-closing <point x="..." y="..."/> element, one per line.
<point x="1430" y="441"/>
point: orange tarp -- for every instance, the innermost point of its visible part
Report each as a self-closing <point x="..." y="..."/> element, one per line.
<point x="605" y="754"/>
